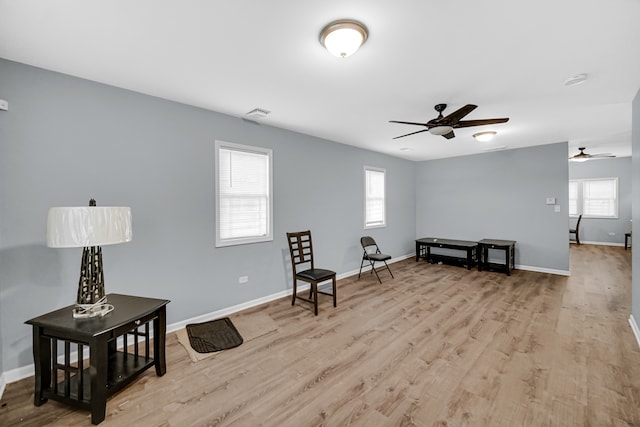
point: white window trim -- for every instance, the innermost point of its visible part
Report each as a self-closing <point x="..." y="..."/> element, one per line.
<point x="246" y="240"/>
<point x="384" y="219"/>
<point x="580" y="201"/>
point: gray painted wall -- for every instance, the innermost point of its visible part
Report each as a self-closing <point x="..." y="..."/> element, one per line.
<point x="598" y="229"/>
<point x="500" y="195"/>
<point x="635" y="135"/>
<point x="65" y="140"/>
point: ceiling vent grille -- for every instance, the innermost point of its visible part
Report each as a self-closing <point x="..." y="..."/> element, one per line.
<point x="257" y="114"/>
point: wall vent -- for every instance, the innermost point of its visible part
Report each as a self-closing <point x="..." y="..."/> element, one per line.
<point x="257" y="114"/>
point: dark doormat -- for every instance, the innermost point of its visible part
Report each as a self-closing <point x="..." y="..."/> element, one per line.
<point x="216" y="335"/>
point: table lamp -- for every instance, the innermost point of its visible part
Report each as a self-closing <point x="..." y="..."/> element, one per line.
<point x="89" y="227"/>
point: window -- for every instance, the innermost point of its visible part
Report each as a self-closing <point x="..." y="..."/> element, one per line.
<point x="594" y="198"/>
<point x="374" y="197"/>
<point x="244" y="204"/>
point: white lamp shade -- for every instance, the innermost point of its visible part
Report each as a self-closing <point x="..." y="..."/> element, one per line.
<point x="74" y="227"/>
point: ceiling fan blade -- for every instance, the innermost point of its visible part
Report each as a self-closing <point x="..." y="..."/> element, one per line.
<point x="455" y="117"/>
<point x="601" y="155"/>
<point x="412" y="133"/>
<point x="407" y="123"/>
<point x="469" y="123"/>
<point x="449" y="135"/>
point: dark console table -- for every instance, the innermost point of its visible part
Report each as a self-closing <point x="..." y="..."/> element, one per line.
<point x="109" y="369"/>
<point x="424" y="245"/>
<point x="508" y="246"/>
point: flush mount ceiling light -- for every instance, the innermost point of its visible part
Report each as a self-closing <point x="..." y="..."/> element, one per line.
<point x="484" y="136"/>
<point x="576" y="80"/>
<point x="344" y="37"/>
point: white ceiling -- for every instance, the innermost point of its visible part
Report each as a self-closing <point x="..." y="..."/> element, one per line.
<point x="508" y="57"/>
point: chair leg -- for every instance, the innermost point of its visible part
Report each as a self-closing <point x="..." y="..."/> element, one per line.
<point x="361" y="264"/>
<point x="373" y="270"/>
<point x="577" y="239"/>
<point x="335" y="295"/>
<point x="295" y="290"/>
<point x="385" y="264"/>
<point x="314" y="287"/>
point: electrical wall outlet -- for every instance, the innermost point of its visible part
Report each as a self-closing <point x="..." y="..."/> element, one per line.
<point x="243" y="279"/>
<point x="550" y="201"/>
<point x="611" y="233"/>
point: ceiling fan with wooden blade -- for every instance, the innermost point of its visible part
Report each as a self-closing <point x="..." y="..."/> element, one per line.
<point x="582" y="156"/>
<point x="444" y="125"/>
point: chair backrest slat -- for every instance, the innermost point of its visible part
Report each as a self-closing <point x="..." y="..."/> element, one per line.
<point x="300" y="248"/>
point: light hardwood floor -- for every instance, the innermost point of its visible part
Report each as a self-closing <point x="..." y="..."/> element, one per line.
<point x="436" y="346"/>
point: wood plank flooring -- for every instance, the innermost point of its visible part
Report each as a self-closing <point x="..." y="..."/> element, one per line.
<point x="436" y="346"/>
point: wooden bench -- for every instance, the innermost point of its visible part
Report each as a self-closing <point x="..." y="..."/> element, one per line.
<point x="424" y="245"/>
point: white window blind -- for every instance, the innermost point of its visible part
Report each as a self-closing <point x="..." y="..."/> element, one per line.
<point x="243" y="193"/>
<point x="600" y="198"/>
<point x="374" y="198"/>
<point x="573" y="198"/>
<point x="594" y="198"/>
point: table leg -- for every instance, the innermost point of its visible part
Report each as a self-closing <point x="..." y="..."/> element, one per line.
<point x="507" y="259"/>
<point x="159" y="335"/>
<point x="42" y="365"/>
<point x="469" y="258"/>
<point x="98" y="369"/>
<point x="417" y="251"/>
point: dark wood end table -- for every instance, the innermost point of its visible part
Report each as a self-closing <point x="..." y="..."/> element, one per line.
<point x="110" y="369"/>
<point x="508" y="246"/>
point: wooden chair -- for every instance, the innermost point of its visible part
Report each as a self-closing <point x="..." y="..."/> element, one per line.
<point x="301" y="251"/>
<point x="372" y="255"/>
<point x="576" y="230"/>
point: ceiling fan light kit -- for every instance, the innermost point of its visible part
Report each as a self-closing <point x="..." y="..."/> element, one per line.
<point x="440" y="130"/>
<point x="344" y="37"/>
<point x="484" y="136"/>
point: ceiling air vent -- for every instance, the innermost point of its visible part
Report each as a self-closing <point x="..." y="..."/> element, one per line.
<point x="257" y="114"/>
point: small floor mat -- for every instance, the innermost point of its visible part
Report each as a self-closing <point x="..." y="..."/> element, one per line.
<point x="216" y="335"/>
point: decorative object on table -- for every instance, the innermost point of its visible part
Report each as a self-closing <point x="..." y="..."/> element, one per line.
<point x="216" y="335"/>
<point x="372" y="255"/>
<point x="89" y="227"/>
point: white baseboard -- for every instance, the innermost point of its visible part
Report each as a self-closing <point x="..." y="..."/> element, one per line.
<point x="543" y="270"/>
<point x="27" y="371"/>
<point x="2" y="384"/>
<point x="635" y="328"/>
<point x="582" y="242"/>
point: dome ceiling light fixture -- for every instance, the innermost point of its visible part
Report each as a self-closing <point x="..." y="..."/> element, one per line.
<point x="344" y="37"/>
<point x="484" y="136"/>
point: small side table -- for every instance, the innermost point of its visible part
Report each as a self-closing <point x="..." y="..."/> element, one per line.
<point x="627" y="236"/>
<point x="508" y="246"/>
<point x="109" y="369"/>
